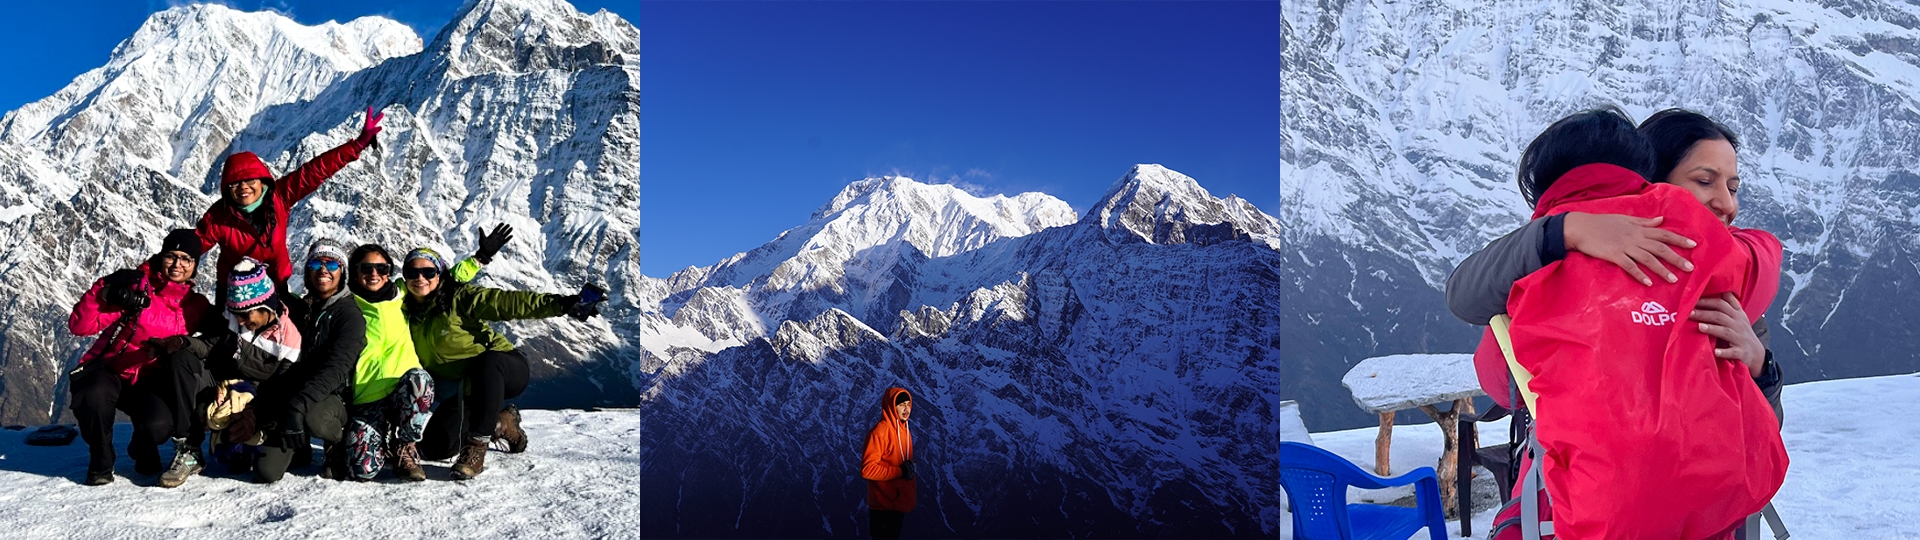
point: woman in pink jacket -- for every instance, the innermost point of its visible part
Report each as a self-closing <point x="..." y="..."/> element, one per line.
<point x="141" y="364"/>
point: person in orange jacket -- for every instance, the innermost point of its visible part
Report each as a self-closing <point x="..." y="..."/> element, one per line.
<point x="887" y="464"/>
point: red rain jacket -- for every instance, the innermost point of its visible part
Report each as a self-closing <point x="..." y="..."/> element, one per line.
<point x="225" y="226"/>
<point x="1646" y="433"/>
<point x="888" y="444"/>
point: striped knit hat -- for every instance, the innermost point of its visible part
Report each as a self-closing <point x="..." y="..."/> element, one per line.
<point x="327" y="247"/>
<point x="431" y="256"/>
<point x="249" y="287"/>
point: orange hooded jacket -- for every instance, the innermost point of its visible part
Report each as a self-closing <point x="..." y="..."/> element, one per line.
<point x="888" y="444"/>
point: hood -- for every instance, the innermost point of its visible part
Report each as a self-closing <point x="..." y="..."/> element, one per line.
<point x="886" y="403"/>
<point x="244" y="166"/>
<point x="1589" y="182"/>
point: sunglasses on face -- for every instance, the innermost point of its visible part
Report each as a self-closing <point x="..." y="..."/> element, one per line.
<point x="381" y="269"/>
<point x="422" y="273"/>
<point x="170" y="258"/>
<point x="329" y="265"/>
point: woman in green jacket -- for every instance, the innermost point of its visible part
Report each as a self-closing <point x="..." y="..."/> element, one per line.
<point x="451" y="335"/>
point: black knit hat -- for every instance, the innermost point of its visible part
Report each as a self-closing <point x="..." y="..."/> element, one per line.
<point x="183" y="240"/>
<point x="902" y="398"/>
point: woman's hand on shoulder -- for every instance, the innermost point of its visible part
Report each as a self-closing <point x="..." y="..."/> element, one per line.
<point x="1628" y="241"/>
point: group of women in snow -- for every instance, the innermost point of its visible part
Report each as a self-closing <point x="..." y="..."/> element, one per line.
<point x="1656" y="404"/>
<point x="354" y="361"/>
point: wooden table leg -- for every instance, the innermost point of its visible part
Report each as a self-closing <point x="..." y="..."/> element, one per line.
<point x="1382" y="444"/>
<point x="1448" y="469"/>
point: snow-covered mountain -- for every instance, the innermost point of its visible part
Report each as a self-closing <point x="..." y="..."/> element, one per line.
<point x="521" y="111"/>
<point x="1403" y="121"/>
<point x="1106" y="374"/>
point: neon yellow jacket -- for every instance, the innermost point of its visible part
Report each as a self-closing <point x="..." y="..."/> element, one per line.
<point x="389" y="353"/>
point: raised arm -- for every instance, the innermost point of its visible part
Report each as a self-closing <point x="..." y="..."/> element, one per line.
<point x="303" y="181"/>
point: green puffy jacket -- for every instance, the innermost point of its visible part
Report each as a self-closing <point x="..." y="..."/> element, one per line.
<point x="449" y="331"/>
<point x="389" y="352"/>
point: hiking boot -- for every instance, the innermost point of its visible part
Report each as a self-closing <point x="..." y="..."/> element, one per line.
<point x="186" y="463"/>
<point x="100" y="478"/>
<point x="473" y="458"/>
<point x="406" y="463"/>
<point x="508" y="430"/>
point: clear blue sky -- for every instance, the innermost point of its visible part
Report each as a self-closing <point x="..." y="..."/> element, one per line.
<point x="48" y="43"/>
<point x="753" y="114"/>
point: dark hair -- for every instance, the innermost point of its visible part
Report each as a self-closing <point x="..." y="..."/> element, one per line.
<point x="1604" y="135"/>
<point x="353" y="280"/>
<point x="1673" y="133"/>
<point x="902" y="398"/>
<point x="364" y="249"/>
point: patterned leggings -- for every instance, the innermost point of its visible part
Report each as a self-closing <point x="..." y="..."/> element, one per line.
<point x="386" y="424"/>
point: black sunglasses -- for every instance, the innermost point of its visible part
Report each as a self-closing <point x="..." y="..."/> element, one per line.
<point x="421" y="273"/>
<point x="384" y="269"/>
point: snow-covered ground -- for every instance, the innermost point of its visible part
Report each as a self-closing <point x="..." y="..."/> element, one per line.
<point x="579" y="478"/>
<point x="1854" y="475"/>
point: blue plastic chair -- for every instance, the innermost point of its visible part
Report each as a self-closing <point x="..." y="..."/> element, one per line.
<point x="1316" y="482"/>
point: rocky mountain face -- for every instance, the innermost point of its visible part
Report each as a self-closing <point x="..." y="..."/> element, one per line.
<point x="522" y="111"/>
<point x="1106" y="374"/>
<point x="1403" y="122"/>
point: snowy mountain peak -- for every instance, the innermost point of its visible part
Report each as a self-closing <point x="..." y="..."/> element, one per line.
<point x="1162" y="206"/>
<point x="832" y="330"/>
<point x="519" y="36"/>
<point x="361" y="42"/>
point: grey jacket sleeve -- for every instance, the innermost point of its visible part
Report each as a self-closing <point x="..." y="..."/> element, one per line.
<point x="1477" y="289"/>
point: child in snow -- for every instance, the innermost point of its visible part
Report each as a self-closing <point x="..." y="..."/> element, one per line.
<point x="142" y="366"/>
<point x="256" y="343"/>
<point x="448" y="321"/>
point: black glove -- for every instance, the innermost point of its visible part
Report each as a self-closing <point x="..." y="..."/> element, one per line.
<point x="122" y="289"/>
<point x="289" y="430"/>
<point x="491" y="243"/>
<point x="906" y="470"/>
<point x="587" y="303"/>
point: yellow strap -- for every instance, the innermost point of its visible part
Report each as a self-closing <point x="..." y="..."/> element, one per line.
<point x="1521" y="377"/>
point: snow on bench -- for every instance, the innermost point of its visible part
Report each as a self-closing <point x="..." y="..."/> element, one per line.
<point x="1406" y="381"/>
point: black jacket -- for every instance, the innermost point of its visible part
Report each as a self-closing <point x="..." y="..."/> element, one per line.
<point x="332" y="336"/>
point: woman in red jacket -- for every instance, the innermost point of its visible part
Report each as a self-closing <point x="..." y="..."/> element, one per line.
<point x="250" y="219"/>
<point x="887" y="464"/>
<point x="142" y="365"/>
